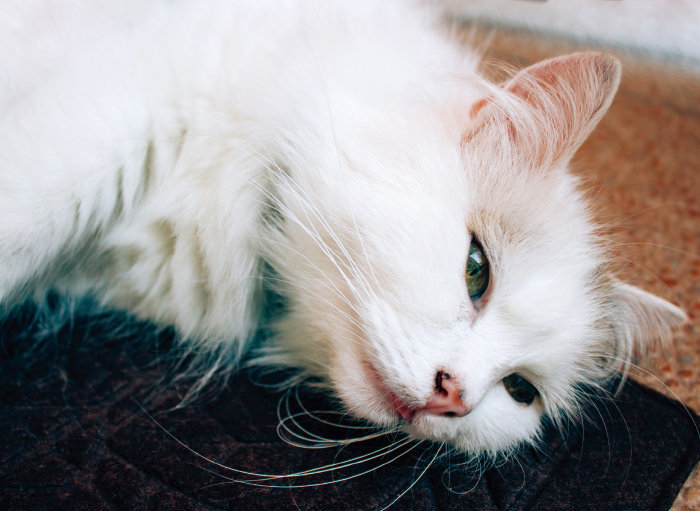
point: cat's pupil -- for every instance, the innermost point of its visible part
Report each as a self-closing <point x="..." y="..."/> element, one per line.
<point x="477" y="274"/>
<point x="520" y="389"/>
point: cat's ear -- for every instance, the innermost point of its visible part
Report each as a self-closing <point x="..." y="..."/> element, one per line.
<point x="641" y="318"/>
<point x="552" y="106"/>
<point x="569" y="95"/>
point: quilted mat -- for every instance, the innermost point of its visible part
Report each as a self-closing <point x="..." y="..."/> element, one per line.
<point x="88" y="421"/>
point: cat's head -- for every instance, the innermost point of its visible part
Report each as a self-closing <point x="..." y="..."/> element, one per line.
<point x="450" y="280"/>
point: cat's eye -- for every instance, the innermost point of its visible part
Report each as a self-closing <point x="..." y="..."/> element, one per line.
<point x="477" y="274"/>
<point x="520" y="389"/>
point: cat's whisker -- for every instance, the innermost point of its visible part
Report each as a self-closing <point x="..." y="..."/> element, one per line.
<point x="523" y="472"/>
<point x="606" y="396"/>
<point x="270" y="354"/>
<point x="313" y="438"/>
<point x="313" y="415"/>
<point x="592" y="404"/>
<point x="309" y="228"/>
<point x="325" y="442"/>
<point x="474" y="465"/>
<point x="258" y="478"/>
<point x="415" y="481"/>
<point x="670" y="248"/>
<point x="320" y="217"/>
<point x="312" y="472"/>
<point x="368" y="260"/>
<point x="308" y="205"/>
<point x="668" y="389"/>
<point x="326" y="283"/>
<point x="364" y="290"/>
<point x="288" y="417"/>
<point x="358" y="460"/>
<point x="341" y="159"/>
<point x="313" y="235"/>
<point x="625" y="220"/>
<point x="283" y="427"/>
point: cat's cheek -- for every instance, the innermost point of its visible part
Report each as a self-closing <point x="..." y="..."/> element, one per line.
<point x="365" y="403"/>
<point x="359" y="387"/>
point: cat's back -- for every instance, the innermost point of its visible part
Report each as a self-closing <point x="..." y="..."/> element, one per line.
<point x="194" y="44"/>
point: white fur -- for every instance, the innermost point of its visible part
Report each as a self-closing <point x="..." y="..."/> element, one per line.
<point x="158" y="155"/>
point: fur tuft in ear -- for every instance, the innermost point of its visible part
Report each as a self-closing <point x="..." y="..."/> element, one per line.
<point x="570" y="93"/>
<point x="551" y="107"/>
<point x="641" y="318"/>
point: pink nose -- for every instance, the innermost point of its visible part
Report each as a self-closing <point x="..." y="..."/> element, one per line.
<point x="447" y="398"/>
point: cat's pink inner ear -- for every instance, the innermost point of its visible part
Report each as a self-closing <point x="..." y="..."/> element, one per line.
<point x="567" y="96"/>
<point x="477" y="107"/>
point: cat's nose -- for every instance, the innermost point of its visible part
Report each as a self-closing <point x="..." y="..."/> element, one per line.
<point x="447" y="397"/>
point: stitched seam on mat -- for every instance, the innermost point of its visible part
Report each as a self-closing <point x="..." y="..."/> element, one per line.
<point x="153" y="478"/>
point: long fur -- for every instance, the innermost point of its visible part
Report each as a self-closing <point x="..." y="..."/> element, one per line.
<point x="184" y="160"/>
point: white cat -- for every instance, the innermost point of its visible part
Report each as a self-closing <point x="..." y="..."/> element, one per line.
<point x="439" y="265"/>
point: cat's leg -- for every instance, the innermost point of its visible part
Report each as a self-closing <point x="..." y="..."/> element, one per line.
<point x="189" y="254"/>
<point x="72" y="154"/>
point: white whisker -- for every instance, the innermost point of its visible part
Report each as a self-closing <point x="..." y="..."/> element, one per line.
<point x="415" y="480"/>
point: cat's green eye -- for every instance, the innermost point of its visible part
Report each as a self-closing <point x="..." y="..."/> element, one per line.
<point x="477" y="275"/>
<point x="520" y="389"/>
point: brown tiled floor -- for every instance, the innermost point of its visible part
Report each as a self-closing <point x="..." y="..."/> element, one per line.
<point x="642" y="167"/>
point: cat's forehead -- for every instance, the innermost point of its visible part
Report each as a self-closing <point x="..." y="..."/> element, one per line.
<point x="519" y="213"/>
<point x="540" y="239"/>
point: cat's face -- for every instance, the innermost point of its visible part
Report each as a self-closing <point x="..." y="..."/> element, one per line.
<point x="505" y="300"/>
<point x="454" y="285"/>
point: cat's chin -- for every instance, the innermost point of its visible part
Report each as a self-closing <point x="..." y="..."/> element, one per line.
<point x="368" y="396"/>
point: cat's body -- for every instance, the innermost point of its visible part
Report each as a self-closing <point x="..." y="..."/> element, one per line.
<point x="162" y="158"/>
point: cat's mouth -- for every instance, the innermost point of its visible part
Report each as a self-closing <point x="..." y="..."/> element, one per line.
<point x="401" y="407"/>
<point x="394" y="404"/>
